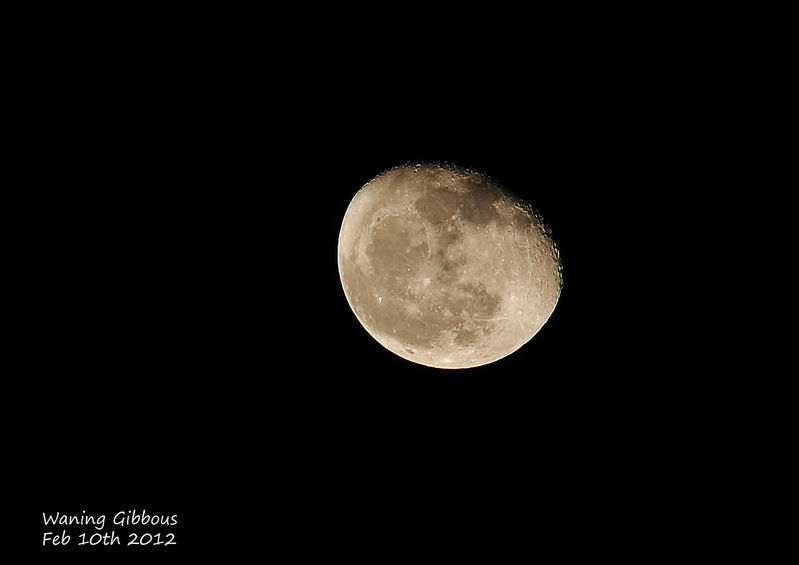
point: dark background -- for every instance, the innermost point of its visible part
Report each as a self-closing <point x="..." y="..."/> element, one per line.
<point x="187" y="345"/>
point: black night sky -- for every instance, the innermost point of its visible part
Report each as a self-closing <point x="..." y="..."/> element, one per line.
<point x="188" y="347"/>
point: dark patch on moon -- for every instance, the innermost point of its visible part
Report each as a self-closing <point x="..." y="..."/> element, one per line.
<point x="449" y="236"/>
<point x="437" y="205"/>
<point x="466" y="337"/>
<point x="391" y="254"/>
<point x="479" y="209"/>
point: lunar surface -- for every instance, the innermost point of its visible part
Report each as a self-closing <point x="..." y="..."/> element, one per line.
<point x="446" y="268"/>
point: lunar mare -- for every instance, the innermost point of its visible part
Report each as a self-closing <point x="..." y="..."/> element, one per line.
<point x="446" y="268"/>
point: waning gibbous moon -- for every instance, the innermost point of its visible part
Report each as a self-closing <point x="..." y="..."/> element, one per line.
<point x="446" y="268"/>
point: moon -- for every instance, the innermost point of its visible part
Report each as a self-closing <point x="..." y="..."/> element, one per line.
<point x="445" y="267"/>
